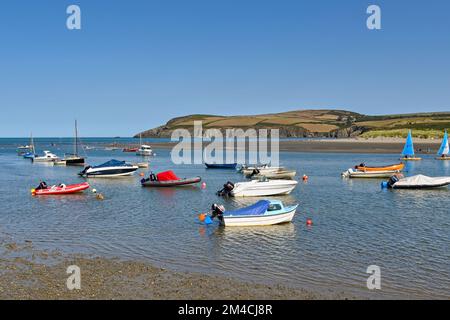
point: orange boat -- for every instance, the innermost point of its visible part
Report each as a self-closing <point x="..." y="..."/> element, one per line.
<point x="392" y="167"/>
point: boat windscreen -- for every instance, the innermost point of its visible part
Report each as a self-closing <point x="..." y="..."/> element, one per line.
<point x="113" y="163"/>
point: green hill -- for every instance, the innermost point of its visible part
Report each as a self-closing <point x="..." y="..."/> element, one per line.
<point x="317" y="123"/>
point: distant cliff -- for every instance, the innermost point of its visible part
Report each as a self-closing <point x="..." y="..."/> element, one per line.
<point x="313" y="123"/>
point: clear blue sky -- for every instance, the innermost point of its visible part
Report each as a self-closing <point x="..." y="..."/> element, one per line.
<point x="136" y="64"/>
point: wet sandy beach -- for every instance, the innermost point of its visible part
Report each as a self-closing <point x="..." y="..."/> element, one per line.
<point x="41" y="275"/>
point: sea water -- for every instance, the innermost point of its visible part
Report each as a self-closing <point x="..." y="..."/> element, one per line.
<point x="355" y="223"/>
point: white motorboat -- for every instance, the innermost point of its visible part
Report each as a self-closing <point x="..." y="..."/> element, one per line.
<point x="416" y="182"/>
<point x="47" y="157"/>
<point x="259" y="188"/>
<point x="112" y="168"/>
<point x="262" y="213"/>
<point x="144" y="150"/>
<point x="279" y="174"/>
<point x="22" y="150"/>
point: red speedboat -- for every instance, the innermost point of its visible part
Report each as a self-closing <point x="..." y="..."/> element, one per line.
<point x="130" y="150"/>
<point x="61" y="189"/>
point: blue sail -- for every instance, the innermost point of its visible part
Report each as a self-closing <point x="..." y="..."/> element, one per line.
<point x="408" y="150"/>
<point x="444" y="149"/>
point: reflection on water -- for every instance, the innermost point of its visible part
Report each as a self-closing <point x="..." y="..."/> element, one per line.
<point x="355" y="223"/>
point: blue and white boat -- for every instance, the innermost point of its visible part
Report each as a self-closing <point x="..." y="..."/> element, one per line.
<point x="112" y="168"/>
<point x="408" y="150"/>
<point x="31" y="154"/>
<point x="444" y="150"/>
<point x="262" y="213"/>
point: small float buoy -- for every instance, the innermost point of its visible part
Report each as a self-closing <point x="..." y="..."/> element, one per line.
<point x="208" y="220"/>
<point x="141" y="174"/>
<point x="309" y="222"/>
<point x="305" y="177"/>
<point x="202" y="217"/>
<point x="94" y="190"/>
<point x="204" y="185"/>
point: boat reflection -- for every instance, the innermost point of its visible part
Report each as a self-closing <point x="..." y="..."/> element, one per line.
<point x="67" y="198"/>
<point x="169" y="192"/>
<point x="275" y="234"/>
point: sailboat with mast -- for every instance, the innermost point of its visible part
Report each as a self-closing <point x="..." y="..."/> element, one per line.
<point x="144" y="150"/>
<point x="444" y="150"/>
<point x="74" y="159"/>
<point x="408" y="150"/>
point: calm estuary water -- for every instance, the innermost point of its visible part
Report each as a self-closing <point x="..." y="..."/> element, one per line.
<point x="355" y="223"/>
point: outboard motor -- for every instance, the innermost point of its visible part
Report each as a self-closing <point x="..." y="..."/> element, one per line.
<point x="360" y="165"/>
<point x="227" y="188"/>
<point x="82" y="173"/>
<point x="390" y="183"/>
<point x="217" y="211"/>
<point x="254" y="173"/>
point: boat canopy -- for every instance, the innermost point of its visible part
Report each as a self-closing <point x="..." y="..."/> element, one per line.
<point x="167" y="176"/>
<point x="422" y="181"/>
<point x="113" y="163"/>
<point x="256" y="209"/>
<point x="408" y="150"/>
<point x="444" y="149"/>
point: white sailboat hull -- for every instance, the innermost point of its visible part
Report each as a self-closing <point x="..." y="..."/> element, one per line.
<point x="48" y="157"/>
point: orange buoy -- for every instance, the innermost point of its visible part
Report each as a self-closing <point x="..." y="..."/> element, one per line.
<point x="202" y="217"/>
<point x="305" y="177"/>
<point x="309" y="222"/>
<point x="141" y="174"/>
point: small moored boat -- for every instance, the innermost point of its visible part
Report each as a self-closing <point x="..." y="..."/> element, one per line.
<point x="74" y="159"/>
<point x="416" y="182"/>
<point x="408" y="150"/>
<point x="221" y="165"/>
<point x="112" y="168"/>
<point x="262" y="213"/>
<point x="47" y="157"/>
<point x="262" y="169"/>
<point x="32" y="151"/>
<point x="258" y="188"/>
<point x="168" y="179"/>
<point x="59" y="163"/>
<point x="444" y="150"/>
<point x="60" y="190"/>
<point x="352" y="173"/>
<point x="142" y="165"/>
<point x="279" y="174"/>
<point x="391" y="167"/>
